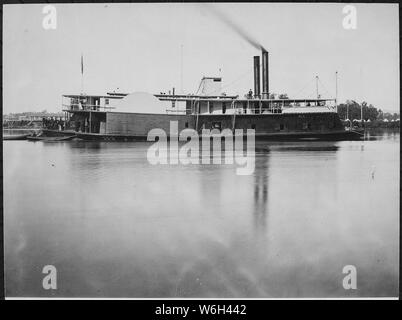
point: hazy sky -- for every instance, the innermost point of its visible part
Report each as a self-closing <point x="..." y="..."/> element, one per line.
<point x="137" y="47"/>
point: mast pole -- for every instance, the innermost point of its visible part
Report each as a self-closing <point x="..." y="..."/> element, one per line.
<point x="82" y="74"/>
<point x="316" y="85"/>
<point x="181" y="68"/>
<point x="336" y="91"/>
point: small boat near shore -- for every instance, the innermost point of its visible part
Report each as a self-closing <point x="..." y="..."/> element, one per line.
<point x="16" y="137"/>
<point x="50" y="139"/>
<point x="58" y="133"/>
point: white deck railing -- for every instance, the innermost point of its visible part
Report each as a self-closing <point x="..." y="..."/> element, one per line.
<point x="87" y="107"/>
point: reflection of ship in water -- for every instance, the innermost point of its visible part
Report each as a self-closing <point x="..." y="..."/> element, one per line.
<point x="261" y="192"/>
<point x="287" y="153"/>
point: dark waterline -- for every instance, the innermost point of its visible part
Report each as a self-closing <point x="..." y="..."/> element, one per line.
<point x="116" y="226"/>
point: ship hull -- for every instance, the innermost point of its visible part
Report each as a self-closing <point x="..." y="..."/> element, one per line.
<point x="328" y="136"/>
<point x="137" y="126"/>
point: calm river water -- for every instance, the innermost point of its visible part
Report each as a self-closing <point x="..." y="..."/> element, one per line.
<point x="116" y="226"/>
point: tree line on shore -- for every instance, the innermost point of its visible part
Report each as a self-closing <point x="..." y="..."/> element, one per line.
<point x="372" y="116"/>
<point x="353" y="110"/>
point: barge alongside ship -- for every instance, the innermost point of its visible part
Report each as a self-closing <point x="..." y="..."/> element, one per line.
<point x="127" y="117"/>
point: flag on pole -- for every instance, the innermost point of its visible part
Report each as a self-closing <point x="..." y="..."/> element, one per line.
<point x="82" y="64"/>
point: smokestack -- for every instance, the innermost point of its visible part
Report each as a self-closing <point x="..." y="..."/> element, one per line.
<point x="265" y="75"/>
<point x="257" y="91"/>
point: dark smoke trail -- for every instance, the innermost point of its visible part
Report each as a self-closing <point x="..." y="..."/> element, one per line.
<point x="230" y="23"/>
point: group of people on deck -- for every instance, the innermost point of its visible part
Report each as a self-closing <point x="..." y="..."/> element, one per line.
<point x="82" y="126"/>
<point x="53" y="123"/>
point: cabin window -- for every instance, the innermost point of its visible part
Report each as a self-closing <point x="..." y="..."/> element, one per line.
<point x="186" y="125"/>
<point x="216" y="125"/>
<point x="74" y="104"/>
<point x="281" y="126"/>
<point x="256" y="108"/>
<point x="188" y="107"/>
<point x="223" y="107"/>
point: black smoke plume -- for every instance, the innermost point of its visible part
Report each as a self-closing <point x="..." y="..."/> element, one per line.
<point x="235" y="27"/>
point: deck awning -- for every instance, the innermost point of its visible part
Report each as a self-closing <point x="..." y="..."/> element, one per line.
<point x="167" y="97"/>
<point x="91" y="96"/>
<point x="226" y="99"/>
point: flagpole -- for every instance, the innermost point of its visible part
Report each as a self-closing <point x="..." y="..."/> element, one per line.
<point x="336" y="91"/>
<point x="181" y="69"/>
<point x="82" y="74"/>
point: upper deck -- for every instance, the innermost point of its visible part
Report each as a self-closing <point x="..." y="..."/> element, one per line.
<point x="82" y="102"/>
<point x="201" y="104"/>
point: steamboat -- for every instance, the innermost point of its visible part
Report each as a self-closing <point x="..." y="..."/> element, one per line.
<point x="127" y="117"/>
